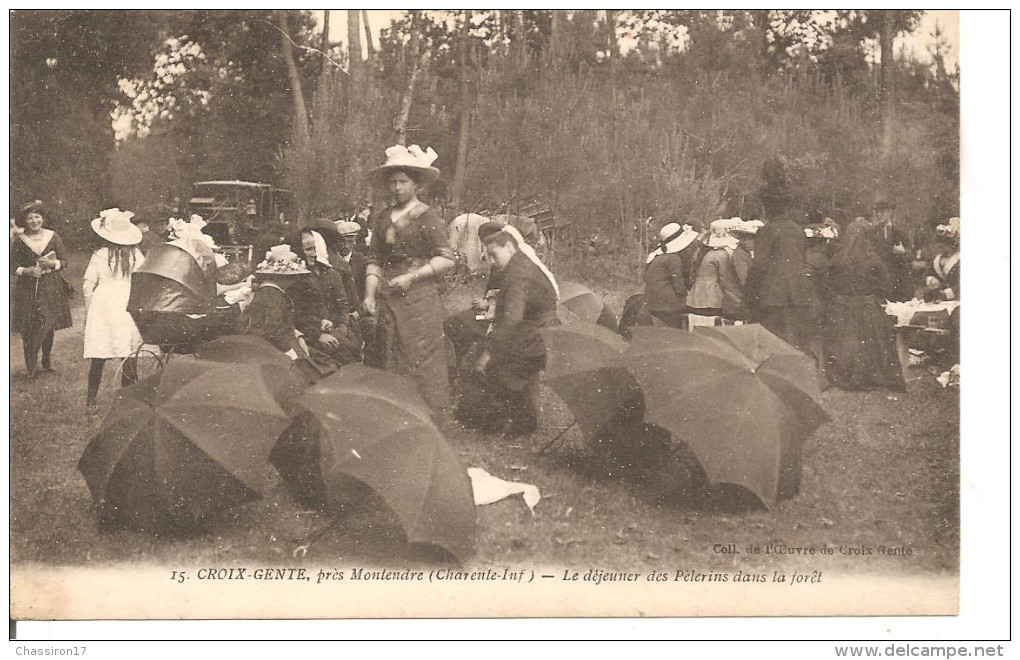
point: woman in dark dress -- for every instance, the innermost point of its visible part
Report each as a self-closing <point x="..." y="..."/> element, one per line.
<point x="409" y="251"/>
<point x="514" y="351"/>
<point x="860" y="347"/>
<point x="40" y="300"/>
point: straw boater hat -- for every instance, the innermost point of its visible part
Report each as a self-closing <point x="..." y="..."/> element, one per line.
<point x="347" y="227"/>
<point x="281" y="260"/>
<point x="115" y="226"/>
<point x="719" y="236"/>
<point x="673" y="238"/>
<point x="401" y="158"/>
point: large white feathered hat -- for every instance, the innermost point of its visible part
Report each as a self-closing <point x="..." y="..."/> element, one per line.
<point x="413" y="159"/>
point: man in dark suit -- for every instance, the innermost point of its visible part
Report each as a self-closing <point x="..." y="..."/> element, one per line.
<point x="894" y="247"/>
<point x="778" y="288"/>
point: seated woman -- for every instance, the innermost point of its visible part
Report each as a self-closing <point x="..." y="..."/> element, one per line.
<point x="943" y="281"/>
<point x="465" y="329"/>
<point x="715" y="290"/>
<point x="515" y="353"/>
<point x="273" y="315"/>
<point x="331" y="328"/>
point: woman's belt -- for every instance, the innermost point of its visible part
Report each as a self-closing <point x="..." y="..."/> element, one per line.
<point x="402" y="266"/>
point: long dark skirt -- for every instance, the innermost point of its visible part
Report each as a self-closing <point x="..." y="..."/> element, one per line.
<point x="860" y="346"/>
<point x="410" y="340"/>
<point x="40" y="305"/>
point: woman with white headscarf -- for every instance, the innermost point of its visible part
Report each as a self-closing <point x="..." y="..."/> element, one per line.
<point x="514" y="353"/>
<point x="324" y="310"/>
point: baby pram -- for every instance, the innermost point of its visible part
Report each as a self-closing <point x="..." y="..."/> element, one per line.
<point x="174" y="304"/>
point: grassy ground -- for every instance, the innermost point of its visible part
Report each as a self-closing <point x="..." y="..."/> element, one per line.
<point x="883" y="472"/>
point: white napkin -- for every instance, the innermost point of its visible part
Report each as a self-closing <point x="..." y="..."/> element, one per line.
<point x="488" y="489"/>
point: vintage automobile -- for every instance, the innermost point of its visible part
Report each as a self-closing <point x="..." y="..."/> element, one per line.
<point x="237" y="211"/>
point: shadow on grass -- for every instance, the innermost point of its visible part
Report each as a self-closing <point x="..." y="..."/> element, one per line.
<point x="658" y="469"/>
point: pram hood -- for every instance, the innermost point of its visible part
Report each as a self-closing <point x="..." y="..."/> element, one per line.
<point x="171" y="280"/>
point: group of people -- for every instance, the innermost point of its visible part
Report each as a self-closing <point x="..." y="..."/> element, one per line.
<point x="818" y="286"/>
<point x="326" y="299"/>
<point x="319" y="295"/>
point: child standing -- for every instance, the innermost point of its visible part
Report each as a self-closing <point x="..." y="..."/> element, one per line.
<point x="110" y="331"/>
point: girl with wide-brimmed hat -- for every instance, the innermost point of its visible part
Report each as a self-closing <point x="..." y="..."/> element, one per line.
<point x="666" y="269"/>
<point x="40" y="300"/>
<point x="715" y="289"/>
<point x="409" y="252"/>
<point x="110" y="332"/>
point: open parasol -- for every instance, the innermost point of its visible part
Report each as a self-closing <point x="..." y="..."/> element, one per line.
<point x="373" y="427"/>
<point x="187" y="444"/>
<point x="741" y="398"/>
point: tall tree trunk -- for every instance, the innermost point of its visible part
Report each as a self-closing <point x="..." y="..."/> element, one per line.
<point x="368" y="36"/>
<point x="520" y="45"/>
<point x="886" y="83"/>
<point x="611" y="44"/>
<point x="761" y="21"/>
<point x="324" y="47"/>
<point x="460" y="174"/>
<point x="354" y="40"/>
<point x="400" y="122"/>
<point x="300" y="112"/>
<point x="555" y="49"/>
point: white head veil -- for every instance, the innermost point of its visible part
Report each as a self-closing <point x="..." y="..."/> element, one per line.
<point x="529" y="252"/>
<point x="321" y="254"/>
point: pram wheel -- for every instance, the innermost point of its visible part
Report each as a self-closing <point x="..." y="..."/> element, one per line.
<point x="150" y="361"/>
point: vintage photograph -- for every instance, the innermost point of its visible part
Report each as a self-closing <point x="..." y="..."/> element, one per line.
<point x="484" y="313"/>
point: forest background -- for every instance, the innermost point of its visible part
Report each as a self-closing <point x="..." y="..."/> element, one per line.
<point x="621" y="121"/>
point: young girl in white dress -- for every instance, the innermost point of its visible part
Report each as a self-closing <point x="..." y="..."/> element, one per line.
<point x="110" y="332"/>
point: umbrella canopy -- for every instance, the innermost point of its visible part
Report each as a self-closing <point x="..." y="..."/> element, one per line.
<point x="187" y="443"/>
<point x="586" y="305"/>
<point x="741" y="398"/>
<point x="373" y="426"/>
<point x="635" y="312"/>
<point x="584" y="368"/>
<point x="241" y="349"/>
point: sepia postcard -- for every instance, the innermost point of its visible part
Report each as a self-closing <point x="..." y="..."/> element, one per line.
<point x="387" y="442"/>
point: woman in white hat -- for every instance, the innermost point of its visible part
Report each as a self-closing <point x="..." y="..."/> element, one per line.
<point x="110" y="331"/>
<point x="39" y="301"/>
<point x="279" y="314"/>
<point x="409" y="252"/>
<point x="665" y="275"/>
<point x="715" y="290"/>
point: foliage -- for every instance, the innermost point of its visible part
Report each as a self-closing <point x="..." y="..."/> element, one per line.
<point x="64" y="70"/>
<point x="672" y="119"/>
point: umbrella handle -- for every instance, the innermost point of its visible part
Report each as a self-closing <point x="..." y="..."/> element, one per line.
<point x="559" y="435"/>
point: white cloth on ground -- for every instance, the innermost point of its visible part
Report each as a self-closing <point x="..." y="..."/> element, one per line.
<point x="488" y="489"/>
